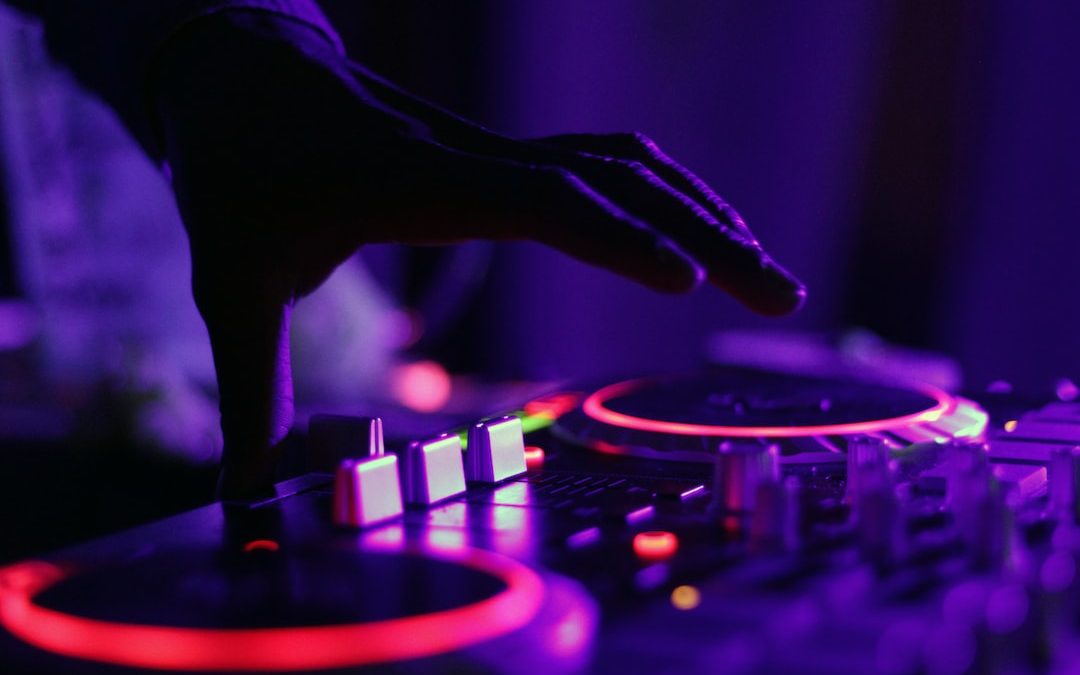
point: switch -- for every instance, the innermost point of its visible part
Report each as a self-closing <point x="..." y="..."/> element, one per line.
<point x="496" y="450"/>
<point x="367" y="491"/>
<point x="432" y="470"/>
<point x="332" y="438"/>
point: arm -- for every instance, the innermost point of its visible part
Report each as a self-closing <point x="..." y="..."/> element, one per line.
<point x="286" y="157"/>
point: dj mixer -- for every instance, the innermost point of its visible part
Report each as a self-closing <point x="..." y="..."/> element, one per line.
<point x="726" y="520"/>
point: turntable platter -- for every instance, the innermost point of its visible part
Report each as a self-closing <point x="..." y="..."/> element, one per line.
<point x="686" y="417"/>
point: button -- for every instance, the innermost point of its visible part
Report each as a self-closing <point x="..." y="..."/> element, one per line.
<point x="534" y="458"/>
<point x="655" y="546"/>
<point x="669" y="489"/>
<point x="583" y="538"/>
<point x="496" y="451"/>
<point x="332" y="438"/>
<point x="432" y="470"/>
<point x="367" y="491"/>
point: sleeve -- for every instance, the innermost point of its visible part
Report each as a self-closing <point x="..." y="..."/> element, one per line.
<point x="111" y="45"/>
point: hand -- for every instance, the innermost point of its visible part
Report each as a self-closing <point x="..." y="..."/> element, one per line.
<point x="286" y="157"/>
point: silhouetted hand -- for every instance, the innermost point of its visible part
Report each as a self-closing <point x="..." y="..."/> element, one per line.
<point x="286" y="157"/>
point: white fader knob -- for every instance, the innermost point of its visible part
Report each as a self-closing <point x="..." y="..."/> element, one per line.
<point x="432" y="470"/>
<point x="367" y="491"/>
<point x="496" y="450"/>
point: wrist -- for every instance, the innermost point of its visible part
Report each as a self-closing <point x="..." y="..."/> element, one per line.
<point x="229" y="55"/>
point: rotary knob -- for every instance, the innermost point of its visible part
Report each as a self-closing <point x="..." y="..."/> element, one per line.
<point x="867" y="461"/>
<point x="739" y="469"/>
<point x="1065" y="484"/>
<point x="880" y="515"/>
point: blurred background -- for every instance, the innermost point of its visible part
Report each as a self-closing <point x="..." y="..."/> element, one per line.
<point x="917" y="164"/>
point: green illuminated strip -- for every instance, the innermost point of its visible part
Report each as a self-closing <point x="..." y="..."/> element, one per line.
<point x="529" y="424"/>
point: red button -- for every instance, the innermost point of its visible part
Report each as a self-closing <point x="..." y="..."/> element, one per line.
<point x="656" y="545"/>
<point x="534" y="458"/>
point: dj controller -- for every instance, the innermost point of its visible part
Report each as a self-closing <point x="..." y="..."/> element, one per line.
<point x="727" y="520"/>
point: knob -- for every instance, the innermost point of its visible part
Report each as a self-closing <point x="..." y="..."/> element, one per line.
<point x="1065" y="484"/>
<point x="982" y="510"/>
<point x="367" y="491"/>
<point x="432" y="470"/>
<point x="968" y="465"/>
<point x="332" y="438"/>
<point x="881" y="523"/>
<point x="739" y="469"/>
<point x="775" y="523"/>
<point x="867" y="457"/>
<point x="496" y="450"/>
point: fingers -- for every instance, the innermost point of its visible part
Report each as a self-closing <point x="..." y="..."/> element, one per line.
<point x="248" y="324"/>
<point x="637" y="147"/>
<point x="582" y="222"/>
<point x="470" y="196"/>
<point x="733" y="262"/>
<point x="643" y="185"/>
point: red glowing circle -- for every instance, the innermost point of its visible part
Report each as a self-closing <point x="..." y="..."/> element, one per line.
<point x="595" y="406"/>
<point x="261" y="545"/>
<point x="270" y="649"/>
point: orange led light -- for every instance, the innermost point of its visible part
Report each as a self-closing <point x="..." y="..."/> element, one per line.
<point x="685" y="598"/>
<point x="534" y="458"/>
<point x="656" y="545"/>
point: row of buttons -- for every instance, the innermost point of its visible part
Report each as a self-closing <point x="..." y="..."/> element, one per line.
<point x="373" y="486"/>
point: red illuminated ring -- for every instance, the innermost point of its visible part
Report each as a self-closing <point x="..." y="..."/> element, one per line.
<point x="594" y="406"/>
<point x="269" y="649"/>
